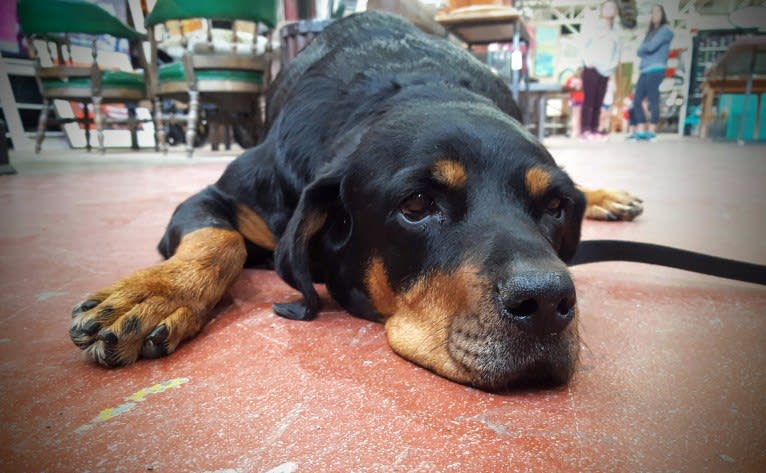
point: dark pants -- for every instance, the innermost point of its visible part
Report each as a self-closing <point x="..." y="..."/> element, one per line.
<point x="648" y="86"/>
<point x="594" y="88"/>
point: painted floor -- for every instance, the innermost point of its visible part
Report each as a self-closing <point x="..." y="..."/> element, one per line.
<point x="672" y="378"/>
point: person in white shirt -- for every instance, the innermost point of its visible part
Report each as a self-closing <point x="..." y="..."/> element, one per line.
<point x="600" y="56"/>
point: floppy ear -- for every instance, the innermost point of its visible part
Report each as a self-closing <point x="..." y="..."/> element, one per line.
<point x="319" y="211"/>
<point x="571" y="236"/>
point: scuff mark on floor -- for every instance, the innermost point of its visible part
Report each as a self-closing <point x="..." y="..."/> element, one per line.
<point x="288" y="467"/>
<point x="131" y="402"/>
<point x="44" y="296"/>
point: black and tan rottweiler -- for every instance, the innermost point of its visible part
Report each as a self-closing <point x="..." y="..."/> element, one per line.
<point x="396" y="172"/>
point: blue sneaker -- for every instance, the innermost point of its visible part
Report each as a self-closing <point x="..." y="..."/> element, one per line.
<point x="646" y="136"/>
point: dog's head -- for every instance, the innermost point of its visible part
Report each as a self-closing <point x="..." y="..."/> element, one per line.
<point x="450" y="223"/>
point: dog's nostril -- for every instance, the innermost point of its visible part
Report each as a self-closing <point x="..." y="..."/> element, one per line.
<point x="565" y="306"/>
<point x="526" y="308"/>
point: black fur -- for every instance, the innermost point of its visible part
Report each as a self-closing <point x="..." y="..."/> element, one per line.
<point x="355" y="122"/>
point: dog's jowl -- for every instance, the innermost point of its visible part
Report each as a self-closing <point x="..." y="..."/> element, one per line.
<point x="395" y="171"/>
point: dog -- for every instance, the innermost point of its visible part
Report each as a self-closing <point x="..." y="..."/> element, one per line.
<point x="397" y="172"/>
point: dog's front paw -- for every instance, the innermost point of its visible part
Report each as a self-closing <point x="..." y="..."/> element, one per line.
<point x="145" y="314"/>
<point x="611" y="204"/>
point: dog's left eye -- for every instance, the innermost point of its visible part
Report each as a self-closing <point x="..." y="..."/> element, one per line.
<point x="418" y="207"/>
<point x="554" y="207"/>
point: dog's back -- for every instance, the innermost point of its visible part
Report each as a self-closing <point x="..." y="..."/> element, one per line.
<point x="364" y="55"/>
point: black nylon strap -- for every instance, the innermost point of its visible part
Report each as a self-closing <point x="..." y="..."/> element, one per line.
<point x="593" y="251"/>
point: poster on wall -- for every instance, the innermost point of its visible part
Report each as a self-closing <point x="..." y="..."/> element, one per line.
<point x="546" y="51"/>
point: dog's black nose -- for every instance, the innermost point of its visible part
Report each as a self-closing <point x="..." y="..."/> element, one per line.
<point x="540" y="303"/>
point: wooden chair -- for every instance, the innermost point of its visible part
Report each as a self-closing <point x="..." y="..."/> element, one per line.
<point x="230" y="76"/>
<point x="49" y="24"/>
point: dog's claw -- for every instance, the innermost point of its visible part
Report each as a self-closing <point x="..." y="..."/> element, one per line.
<point x="294" y="311"/>
<point x="84" y="307"/>
<point x="108" y="337"/>
<point x="154" y="346"/>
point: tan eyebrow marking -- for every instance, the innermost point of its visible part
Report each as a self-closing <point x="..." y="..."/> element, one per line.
<point x="537" y="181"/>
<point x="450" y="173"/>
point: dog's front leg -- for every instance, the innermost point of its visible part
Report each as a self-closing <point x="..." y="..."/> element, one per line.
<point x="151" y="311"/>
<point x="611" y="204"/>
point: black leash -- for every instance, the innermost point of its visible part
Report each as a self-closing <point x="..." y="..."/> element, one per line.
<point x="593" y="251"/>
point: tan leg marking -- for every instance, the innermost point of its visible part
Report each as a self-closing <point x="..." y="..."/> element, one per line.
<point x="252" y="226"/>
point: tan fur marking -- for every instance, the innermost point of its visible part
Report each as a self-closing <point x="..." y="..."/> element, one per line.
<point x="312" y="223"/>
<point x="450" y="173"/>
<point x="537" y="181"/>
<point x="252" y="226"/>
<point x="417" y="321"/>
<point x="382" y="296"/>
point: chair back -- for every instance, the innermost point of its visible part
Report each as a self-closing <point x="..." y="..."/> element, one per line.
<point x="52" y="22"/>
<point x="211" y="53"/>
<point x="50" y="17"/>
<point x="258" y="11"/>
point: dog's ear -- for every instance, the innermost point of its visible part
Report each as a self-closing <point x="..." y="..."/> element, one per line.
<point x="571" y="235"/>
<point x="319" y="225"/>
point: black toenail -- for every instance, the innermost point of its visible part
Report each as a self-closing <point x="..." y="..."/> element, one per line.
<point x="90" y="328"/>
<point x="108" y="337"/>
<point x="159" y="334"/>
<point x="89" y="304"/>
<point x="155" y="345"/>
<point x="84" y="307"/>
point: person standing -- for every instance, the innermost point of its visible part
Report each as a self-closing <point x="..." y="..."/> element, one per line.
<point x="600" y="55"/>
<point x="653" y="53"/>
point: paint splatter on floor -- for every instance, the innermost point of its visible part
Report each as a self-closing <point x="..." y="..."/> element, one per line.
<point x="131" y="402"/>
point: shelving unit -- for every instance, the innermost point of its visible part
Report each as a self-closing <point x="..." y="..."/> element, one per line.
<point x="707" y="47"/>
<point x="22" y="103"/>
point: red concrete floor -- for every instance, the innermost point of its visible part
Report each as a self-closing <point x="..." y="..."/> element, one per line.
<point x="672" y="375"/>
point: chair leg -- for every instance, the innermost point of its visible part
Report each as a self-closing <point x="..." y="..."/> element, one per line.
<point x="191" y="124"/>
<point x="86" y="122"/>
<point x="160" y="140"/>
<point x="99" y="119"/>
<point x="42" y="125"/>
<point x="133" y="126"/>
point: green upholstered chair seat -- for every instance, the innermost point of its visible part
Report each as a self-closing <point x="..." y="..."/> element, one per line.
<point x="174" y="72"/>
<point x="109" y="80"/>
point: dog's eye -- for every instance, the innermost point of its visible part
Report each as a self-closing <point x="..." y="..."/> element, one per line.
<point x="417" y="207"/>
<point x="554" y="207"/>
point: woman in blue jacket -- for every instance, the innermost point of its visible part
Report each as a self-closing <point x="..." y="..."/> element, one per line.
<point x="654" y="58"/>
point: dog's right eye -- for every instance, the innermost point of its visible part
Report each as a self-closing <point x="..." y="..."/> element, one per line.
<point x="418" y="207"/>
